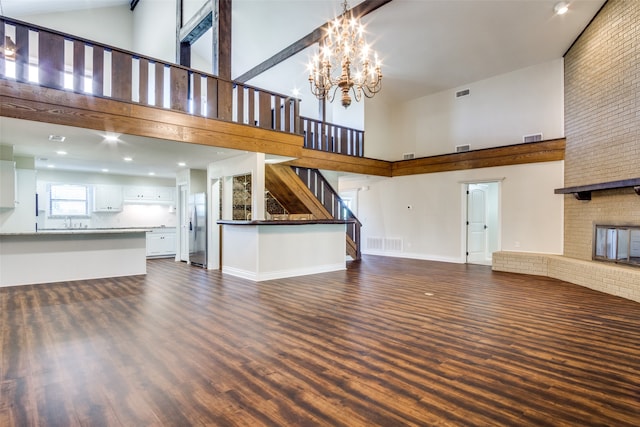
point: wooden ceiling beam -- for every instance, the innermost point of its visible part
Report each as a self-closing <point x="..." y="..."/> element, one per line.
<point x="360" y="10"/>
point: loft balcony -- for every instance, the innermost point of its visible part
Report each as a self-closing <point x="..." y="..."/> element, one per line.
<point x="53" y="77"/>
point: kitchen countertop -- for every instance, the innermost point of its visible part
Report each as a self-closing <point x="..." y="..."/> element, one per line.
<point x="83" y="231"/>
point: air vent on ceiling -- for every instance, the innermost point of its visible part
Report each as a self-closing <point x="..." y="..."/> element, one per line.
<point x="408" y="156"/>
<point x="460" y="93"/>
<point x="463" y="148"/>
<point x="56" y="138"/>
<point x="536" y="137"/>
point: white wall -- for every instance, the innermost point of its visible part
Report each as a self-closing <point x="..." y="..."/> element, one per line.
<point x="155" y="29"/>
<point x="132" y="214"/>
<point x="531" y="214"/>
<point x="497" y="112"/>
<point x="109" y="25"/>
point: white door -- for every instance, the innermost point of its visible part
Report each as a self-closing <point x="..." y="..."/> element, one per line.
<point x="184" y="223"/>
<point x="477" y="225"/>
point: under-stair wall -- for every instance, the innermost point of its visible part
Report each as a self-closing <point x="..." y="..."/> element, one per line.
<point x="306" y="191"/>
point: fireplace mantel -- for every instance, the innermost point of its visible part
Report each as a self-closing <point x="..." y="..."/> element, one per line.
<point x="583" y="192"/>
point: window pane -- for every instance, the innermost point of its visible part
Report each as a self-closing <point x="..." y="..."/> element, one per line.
<point x="68" y="200"/>
<point x="69" y="192"/>
<point x="68" y="207"/>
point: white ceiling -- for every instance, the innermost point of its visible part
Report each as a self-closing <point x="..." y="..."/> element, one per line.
<point x="426" y="46"/>
<point x="90" y="151"/>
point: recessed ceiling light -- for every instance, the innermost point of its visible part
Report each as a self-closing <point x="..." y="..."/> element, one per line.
<point x="111" y="138"/>
<point x="151" y="173"/>
<point x="128" y="159"/>
<point x="105" y="170"/>
<point x="561" y="8"/>
<point x="62" y="153"/>
<point x="51" y="166"/>
<point x="57" y="138"/>
<point x="182" y="164"/>
<point x="295" y="92"/>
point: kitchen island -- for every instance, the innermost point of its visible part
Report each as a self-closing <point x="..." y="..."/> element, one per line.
<point x="266" y="250"/>
<point x="47" y="256"/>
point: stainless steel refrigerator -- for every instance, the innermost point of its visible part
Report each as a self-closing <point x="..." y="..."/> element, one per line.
<point x="198" y="229"/>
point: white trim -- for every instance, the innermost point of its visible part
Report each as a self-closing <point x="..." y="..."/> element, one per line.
<point x="282" y="274"/>
<point x="413" y="255"/>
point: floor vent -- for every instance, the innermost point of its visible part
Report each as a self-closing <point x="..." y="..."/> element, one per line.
<point x="375" y="243"/>
<point x="408" y="156"/>
<point x="393" y="245"/>
<point x="463" y="148"/>
<point x="536" y="137"/>
<point x="461" y="93"/>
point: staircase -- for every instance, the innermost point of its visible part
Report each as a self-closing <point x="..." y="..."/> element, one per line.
<point x="306" y="191"/>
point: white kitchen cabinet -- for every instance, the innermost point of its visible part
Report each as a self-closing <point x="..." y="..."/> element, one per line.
<point x="22" y="217"/>
<point x="8" y="184"/>
<point x="107" y="198"/>
<point x="161" y="242"/>
<point x="138" y="193"/>
<point x="149" y="194"/>
<point x="165" y="194"/>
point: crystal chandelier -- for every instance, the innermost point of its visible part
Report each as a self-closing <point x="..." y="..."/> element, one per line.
<point x="344" y="62"/>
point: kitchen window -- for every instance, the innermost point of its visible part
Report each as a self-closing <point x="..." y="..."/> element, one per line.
<point x="69" y="200"/>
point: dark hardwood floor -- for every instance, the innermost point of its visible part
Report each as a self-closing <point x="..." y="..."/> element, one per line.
<point x="388" y="342"/>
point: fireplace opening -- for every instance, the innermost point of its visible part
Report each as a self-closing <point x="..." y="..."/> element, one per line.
<point x="619" y="244"/>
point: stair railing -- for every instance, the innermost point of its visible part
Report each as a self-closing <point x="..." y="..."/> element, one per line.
<point x="332" y="202"/>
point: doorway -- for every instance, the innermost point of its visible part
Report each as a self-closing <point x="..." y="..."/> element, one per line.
<point x="483" y="222"/>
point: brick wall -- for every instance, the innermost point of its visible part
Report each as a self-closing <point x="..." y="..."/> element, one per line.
<point x="602" y="122"/>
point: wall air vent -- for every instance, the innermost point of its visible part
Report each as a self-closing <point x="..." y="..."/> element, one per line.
<point x="536" y="137"/>
<point x="393" y="245"/>
<point x="375" y="243"/>
<point x="408" y="156"/>
<point x="463" y="148"/>
<point x="461" y="93"/>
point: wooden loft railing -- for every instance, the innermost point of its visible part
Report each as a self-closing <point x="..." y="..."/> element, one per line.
<point x="61" y="61"/>
<point x="330" y="199"/>
<point x="332" y="138"/>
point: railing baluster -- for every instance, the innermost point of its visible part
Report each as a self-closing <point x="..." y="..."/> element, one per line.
<point x="277" y="112"/>
<point x="159" y="84"/>
<point x="143" y="82"/>
<point x="97" y="77"/>
<point x="121" y="69"/>
<point x="78" y="66"/>
<point x="212" y="98"/>
<point x="22" y="54"/>
<point x="225" y="100"/>
<point x="179" y="89"/>
<point x="251" y="105"/>
<point x="264" y="110"/>
<point x="51" y="60"/>
<point x="240" y="103"/>
<point x="196" y="93"/>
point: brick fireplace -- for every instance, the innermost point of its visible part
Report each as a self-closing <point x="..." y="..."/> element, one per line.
<point x="602" y="129"/>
